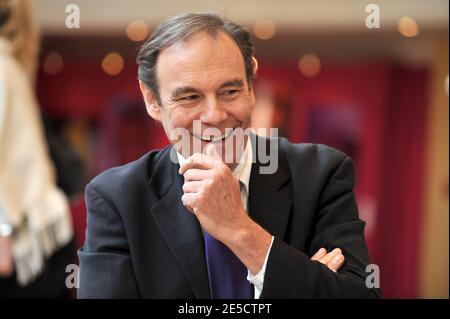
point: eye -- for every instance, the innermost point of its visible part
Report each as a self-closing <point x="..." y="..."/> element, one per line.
<point x="189" y="98"/>
<point x="230" y="93"/>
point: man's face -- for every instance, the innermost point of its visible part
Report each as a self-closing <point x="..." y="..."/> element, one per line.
<point x="203" y="79"/>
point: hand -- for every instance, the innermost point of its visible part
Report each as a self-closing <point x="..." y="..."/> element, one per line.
<point x="212" y="193"/>
<point x="333" y="260"/>
<point x="6" y="259"/>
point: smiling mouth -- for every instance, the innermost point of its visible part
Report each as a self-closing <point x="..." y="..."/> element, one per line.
<point x="214" y="139"/>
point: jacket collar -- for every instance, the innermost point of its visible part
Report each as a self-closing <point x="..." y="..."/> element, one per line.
<point x="269" y="197"/>
<point x="179" y="227"/>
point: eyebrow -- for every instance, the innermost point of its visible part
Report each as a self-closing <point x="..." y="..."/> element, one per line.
<point x="189" y="89"/>
<point x="238" y="83"/>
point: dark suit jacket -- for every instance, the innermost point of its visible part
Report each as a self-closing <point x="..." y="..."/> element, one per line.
<point x="142" y="242"/>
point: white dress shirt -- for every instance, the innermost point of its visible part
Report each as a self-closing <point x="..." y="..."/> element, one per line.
<point x="242" y="173"/>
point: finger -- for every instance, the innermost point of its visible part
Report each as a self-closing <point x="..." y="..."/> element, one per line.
<point x="188" y="200"/>
<point x="328" y="257"/>
<point x="336" y="263"/>
<point x="6" y="268"/>
<point x="200" y="161"/>
<point x="319" y="254"/>
<point x="6" y="259"/>
<point x="195" y="174"/>
<point x="192" y="187"/>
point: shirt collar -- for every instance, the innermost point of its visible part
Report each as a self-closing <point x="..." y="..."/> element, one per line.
<point x="243" y="170"/>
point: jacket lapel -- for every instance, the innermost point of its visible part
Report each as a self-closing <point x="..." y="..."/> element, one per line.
<point x="179" y="227"/>
<point x="269" y="199"/>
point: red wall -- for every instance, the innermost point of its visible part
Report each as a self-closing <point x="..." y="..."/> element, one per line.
<point x="385" y="105"/>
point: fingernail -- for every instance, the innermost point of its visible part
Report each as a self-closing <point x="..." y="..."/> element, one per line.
<point x="321" y="251"/>
<point x="336" y="259"/>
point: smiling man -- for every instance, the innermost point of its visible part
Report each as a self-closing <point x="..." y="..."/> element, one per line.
<point x="198" y="224"/>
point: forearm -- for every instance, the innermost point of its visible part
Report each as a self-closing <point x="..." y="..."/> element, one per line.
<point x="291" y="274"/>
<point x="250" y="244"/>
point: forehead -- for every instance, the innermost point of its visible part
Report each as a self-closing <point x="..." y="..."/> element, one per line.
<point x="202" y="62"/>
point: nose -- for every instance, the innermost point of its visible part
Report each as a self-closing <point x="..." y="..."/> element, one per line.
<point x="212" y="114"/>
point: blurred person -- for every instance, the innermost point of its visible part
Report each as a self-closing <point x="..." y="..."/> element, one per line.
<point x="182" y="224"/>
<point x="35" y="224"/>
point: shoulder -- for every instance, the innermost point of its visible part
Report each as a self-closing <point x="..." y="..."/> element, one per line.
<point x="319" y="154"/>
<point x="131" y="176"/>
<point x="315" y="161"/>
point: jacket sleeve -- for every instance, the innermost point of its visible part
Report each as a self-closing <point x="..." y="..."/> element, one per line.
<point x="106" y="269"/>
<point x="291" y="274"/>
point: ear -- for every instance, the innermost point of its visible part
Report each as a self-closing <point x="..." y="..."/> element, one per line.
<point x="252" y="85"/>
<point x="252" y="96"/>
<point x="151" y="104"/>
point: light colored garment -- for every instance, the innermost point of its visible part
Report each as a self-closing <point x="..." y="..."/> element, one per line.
<point x="29" y="198"/>
<point x="242" y="173"/>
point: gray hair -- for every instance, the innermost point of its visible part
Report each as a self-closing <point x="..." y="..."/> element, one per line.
<point x="181" y="28"/>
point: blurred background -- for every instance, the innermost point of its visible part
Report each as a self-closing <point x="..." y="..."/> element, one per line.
<point x="378" y="94"/>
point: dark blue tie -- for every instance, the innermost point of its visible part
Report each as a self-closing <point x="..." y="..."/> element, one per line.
<point x="227" y="274"/>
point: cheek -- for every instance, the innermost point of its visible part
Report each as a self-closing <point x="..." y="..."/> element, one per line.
<point x="181" y="119"/>
<point x="242" y="111"/>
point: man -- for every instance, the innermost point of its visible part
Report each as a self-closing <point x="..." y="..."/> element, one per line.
<point x="194" y="225"/>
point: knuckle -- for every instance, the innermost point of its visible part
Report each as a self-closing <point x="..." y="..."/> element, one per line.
<point x="214" y="175"/>
<point x="223" y="168"/>
<point x="207" y="184"/>
<point x="220" y="172"/>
